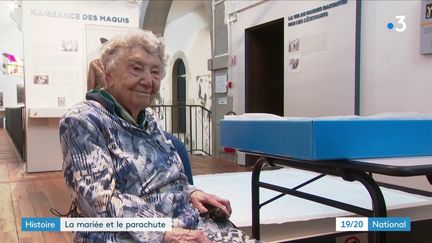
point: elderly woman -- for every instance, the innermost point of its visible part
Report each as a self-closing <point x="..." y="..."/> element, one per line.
<point x="117" y="161"/>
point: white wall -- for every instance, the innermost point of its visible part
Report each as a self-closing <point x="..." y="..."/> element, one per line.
<point x="10" y="35"/>
<point x="67" y="70"/>
<point x="11" y="41"/>
<point x="9" y="88"/>
<point x="394" y="76"/>
<point x="188" y="34"/>
<point x="198" y="63"/>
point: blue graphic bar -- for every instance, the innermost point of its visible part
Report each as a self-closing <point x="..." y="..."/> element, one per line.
<point x="389" y="224"/>
<point x="96" y="224"/>
<point x="40" y="224"/>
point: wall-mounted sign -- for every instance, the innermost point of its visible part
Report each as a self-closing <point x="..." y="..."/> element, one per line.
<point x="426" y="27"/>
<point x="78" y="16"/>
<point x="220" y="84"/>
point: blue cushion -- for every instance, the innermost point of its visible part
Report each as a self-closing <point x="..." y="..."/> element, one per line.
<point x="181" y="150"/>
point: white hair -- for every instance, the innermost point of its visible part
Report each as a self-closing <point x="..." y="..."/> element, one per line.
<point x="144" y="39"/>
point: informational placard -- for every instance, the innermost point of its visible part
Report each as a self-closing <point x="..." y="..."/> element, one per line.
<point x="220" y="84"/>
<point x="426" y="27"/>
<point x="58" y="38"/>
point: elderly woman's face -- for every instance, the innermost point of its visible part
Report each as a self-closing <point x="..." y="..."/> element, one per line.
<point x="135" y="81"/>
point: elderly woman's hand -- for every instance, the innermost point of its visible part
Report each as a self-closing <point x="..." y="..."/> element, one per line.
<point x="179" y="235"/>
<point x="199" y="199"/>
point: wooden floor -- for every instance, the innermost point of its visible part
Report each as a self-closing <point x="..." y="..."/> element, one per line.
<point x="32" y="195"/>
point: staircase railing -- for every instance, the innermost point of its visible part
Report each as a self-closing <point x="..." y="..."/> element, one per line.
<point x="190" y="123"/>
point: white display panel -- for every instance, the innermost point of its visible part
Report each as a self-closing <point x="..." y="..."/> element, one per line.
<point x="55" y="52"/>
<point x="323" y="48"/>
<point x="46" y="112"/>
<point x="319" y="54"/>
<point x="53" y="61"/>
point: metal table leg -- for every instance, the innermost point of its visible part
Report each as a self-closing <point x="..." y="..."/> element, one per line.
<point x="379" y="208"/>
<point x="261" y="162"/>
<point x="378" y="203"/>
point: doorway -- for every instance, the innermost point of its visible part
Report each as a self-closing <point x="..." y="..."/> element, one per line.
<point x="264" y="65"/>
<point x="264" y="70"/>
<point x="179" y="97"/>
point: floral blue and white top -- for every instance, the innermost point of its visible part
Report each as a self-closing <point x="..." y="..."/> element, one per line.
<point x="116" y="167"/>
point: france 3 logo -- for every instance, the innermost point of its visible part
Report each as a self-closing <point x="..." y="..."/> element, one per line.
<point x="429" y="11"/>
<point x="400" y="26"/>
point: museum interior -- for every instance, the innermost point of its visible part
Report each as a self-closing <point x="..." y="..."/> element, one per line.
<point x="313" y="118"/>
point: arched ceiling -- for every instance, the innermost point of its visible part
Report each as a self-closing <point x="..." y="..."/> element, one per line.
<point x="158" y="13"/>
